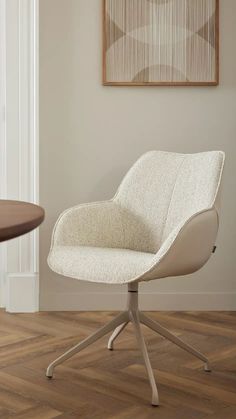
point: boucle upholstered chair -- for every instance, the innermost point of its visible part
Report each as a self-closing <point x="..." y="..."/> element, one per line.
<point x="162" y="222"/>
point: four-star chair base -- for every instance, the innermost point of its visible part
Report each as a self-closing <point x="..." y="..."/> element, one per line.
<point x="132" y="314"/>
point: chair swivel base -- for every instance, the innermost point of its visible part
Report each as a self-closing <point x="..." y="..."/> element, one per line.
<point x="117" y="325"/>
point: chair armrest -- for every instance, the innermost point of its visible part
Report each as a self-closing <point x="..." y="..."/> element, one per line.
<point x="93" y="224"/>
<point x="187" y="248"/>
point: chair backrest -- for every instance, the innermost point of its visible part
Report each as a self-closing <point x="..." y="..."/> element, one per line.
<point x="164" y="189"/>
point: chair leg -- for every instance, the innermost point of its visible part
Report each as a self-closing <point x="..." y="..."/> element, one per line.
<point x="165" y="333"/>
<point x="120" y="319"/>
<point x="141" y="343"/>
<point x="115" y="335"/>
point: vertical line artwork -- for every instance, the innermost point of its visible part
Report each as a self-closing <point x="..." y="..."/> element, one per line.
<point x="160" y="42"/>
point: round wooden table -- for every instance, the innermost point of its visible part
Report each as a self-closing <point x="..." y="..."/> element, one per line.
<point x="18" y="217"/>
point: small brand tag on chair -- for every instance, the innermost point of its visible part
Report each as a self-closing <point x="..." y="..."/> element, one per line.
<point x="214" y="249"/>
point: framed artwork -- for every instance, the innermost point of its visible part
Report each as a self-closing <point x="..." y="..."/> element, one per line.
<point x="160" y="42"/>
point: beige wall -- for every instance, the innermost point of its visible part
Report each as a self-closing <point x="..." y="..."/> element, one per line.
<point x="90" y="135"/>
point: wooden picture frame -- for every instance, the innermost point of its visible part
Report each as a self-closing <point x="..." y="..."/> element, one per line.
<point x="135" y="51"/>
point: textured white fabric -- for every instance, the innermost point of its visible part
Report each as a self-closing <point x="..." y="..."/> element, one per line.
<point x="96" y="224"/>
<point x="99" y="264"/>
<point x="164" y="189"/>
<point x="161" y="194"/>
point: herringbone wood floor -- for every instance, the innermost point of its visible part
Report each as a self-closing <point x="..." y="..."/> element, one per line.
<point x="100" y="384"/>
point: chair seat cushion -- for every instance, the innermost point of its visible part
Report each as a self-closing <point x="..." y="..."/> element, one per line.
<point x="98" y="264"/>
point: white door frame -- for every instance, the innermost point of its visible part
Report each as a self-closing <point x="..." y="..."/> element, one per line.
<point x="2" y="139"/>
<point x="21" y="154"/>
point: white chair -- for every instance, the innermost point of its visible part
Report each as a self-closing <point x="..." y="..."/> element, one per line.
<point x="162" y="222"/>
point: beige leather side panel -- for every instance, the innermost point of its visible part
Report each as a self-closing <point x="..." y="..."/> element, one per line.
<point x="191" y="249"/>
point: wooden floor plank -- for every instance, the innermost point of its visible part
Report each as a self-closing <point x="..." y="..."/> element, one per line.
<point x="37" y="412"/>
<point x="100" y="384"/>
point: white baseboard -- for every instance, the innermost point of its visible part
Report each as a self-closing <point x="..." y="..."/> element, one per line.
<point x="148" y="301"/>
<point x="22" y="293"/>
